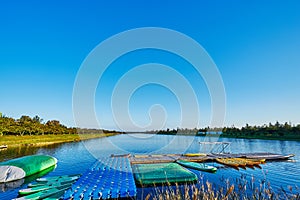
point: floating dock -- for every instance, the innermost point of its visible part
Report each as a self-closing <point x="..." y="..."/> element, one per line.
<point x="162" y="173"/>
<point x="108" y="178"/>
<point x="200" y="157"/>
<point x="217" y="150"/>
<point x="113" y="178"/>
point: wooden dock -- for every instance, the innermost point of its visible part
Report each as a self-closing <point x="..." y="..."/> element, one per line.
<point x="217" y="150"/>
<point x="200" y="157"/>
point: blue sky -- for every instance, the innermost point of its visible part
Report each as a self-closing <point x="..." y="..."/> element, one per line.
<point x="255" y="46"/>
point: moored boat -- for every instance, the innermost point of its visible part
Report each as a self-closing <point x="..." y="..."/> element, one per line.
<point x="197" y="166"/>
<point x="19" y="168"/>
<point x="32" y="190"/>
<point x="270" y="157"/>
<point x="44" y="193"/>
<point x="59" y="178"/>
<point x="250" y="162"/>
<point x="240" y="162"/>
<point x="194" y="154"/>
<point x="52" y="180"/>
<point x="227" y="162"/>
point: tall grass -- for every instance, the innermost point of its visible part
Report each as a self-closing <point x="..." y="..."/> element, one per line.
<point x="242" y="189"/>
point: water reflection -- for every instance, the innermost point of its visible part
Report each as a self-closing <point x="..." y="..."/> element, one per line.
<point x="11" y="185"/>
<point x="15" y="152"/>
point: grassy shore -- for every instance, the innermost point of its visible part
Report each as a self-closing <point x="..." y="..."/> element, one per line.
<point x="44" y="140"/>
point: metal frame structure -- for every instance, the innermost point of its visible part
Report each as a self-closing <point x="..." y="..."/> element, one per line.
<point x="215" y="147"/>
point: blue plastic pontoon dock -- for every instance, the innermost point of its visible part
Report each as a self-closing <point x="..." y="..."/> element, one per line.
<point x="107" y="178"/>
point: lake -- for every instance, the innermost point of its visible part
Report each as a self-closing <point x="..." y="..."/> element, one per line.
<point x="77" y="157"/>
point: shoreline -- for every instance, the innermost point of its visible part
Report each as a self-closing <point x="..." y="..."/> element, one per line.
<point x="45" y="140"/>
<point x="284" y="138"/>
<point x="263" y="138"/>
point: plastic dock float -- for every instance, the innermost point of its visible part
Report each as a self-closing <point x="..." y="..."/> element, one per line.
<point x="162" y="173"/>
<point x="108" y="178"/>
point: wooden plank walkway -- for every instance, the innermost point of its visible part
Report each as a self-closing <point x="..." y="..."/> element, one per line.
<point x="149" y="159"/>
<point x="165" y="158"/>
<point x="108" y="178"/>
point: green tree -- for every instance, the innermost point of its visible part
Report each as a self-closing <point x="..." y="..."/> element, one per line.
<point x="37" y="119"/>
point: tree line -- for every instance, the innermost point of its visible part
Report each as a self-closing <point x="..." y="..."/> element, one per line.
<point x="26" y="125"/>
<point x="276" y="130"/>
<point x="272" y="131"/>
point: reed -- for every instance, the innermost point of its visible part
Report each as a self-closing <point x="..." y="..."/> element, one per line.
<point x="242" y="189"/>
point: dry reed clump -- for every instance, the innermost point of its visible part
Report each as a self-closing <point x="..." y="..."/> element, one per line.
<point x="236" y="191"/>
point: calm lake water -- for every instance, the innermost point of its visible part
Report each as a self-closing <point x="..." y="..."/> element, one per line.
<point x="78" y="157"/>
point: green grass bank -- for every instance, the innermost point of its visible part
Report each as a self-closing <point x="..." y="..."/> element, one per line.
<point x="44" y="140"/>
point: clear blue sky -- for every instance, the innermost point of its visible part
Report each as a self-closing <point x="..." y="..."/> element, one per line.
<point x="255" y="44"/>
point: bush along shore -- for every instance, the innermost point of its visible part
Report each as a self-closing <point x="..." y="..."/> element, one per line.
<point x="33" y="132"/>
<point x="271" y="131"/>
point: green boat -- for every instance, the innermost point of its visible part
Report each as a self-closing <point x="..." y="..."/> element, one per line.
<point x="59" y="178"/>
<point x="32" y="190"/>
<point x="54" y="180"/>
<point x="39" y="184"/>
<point x="44" y="193"/>
<point x="19" y="168"/>
<point x="197" y="166"/>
